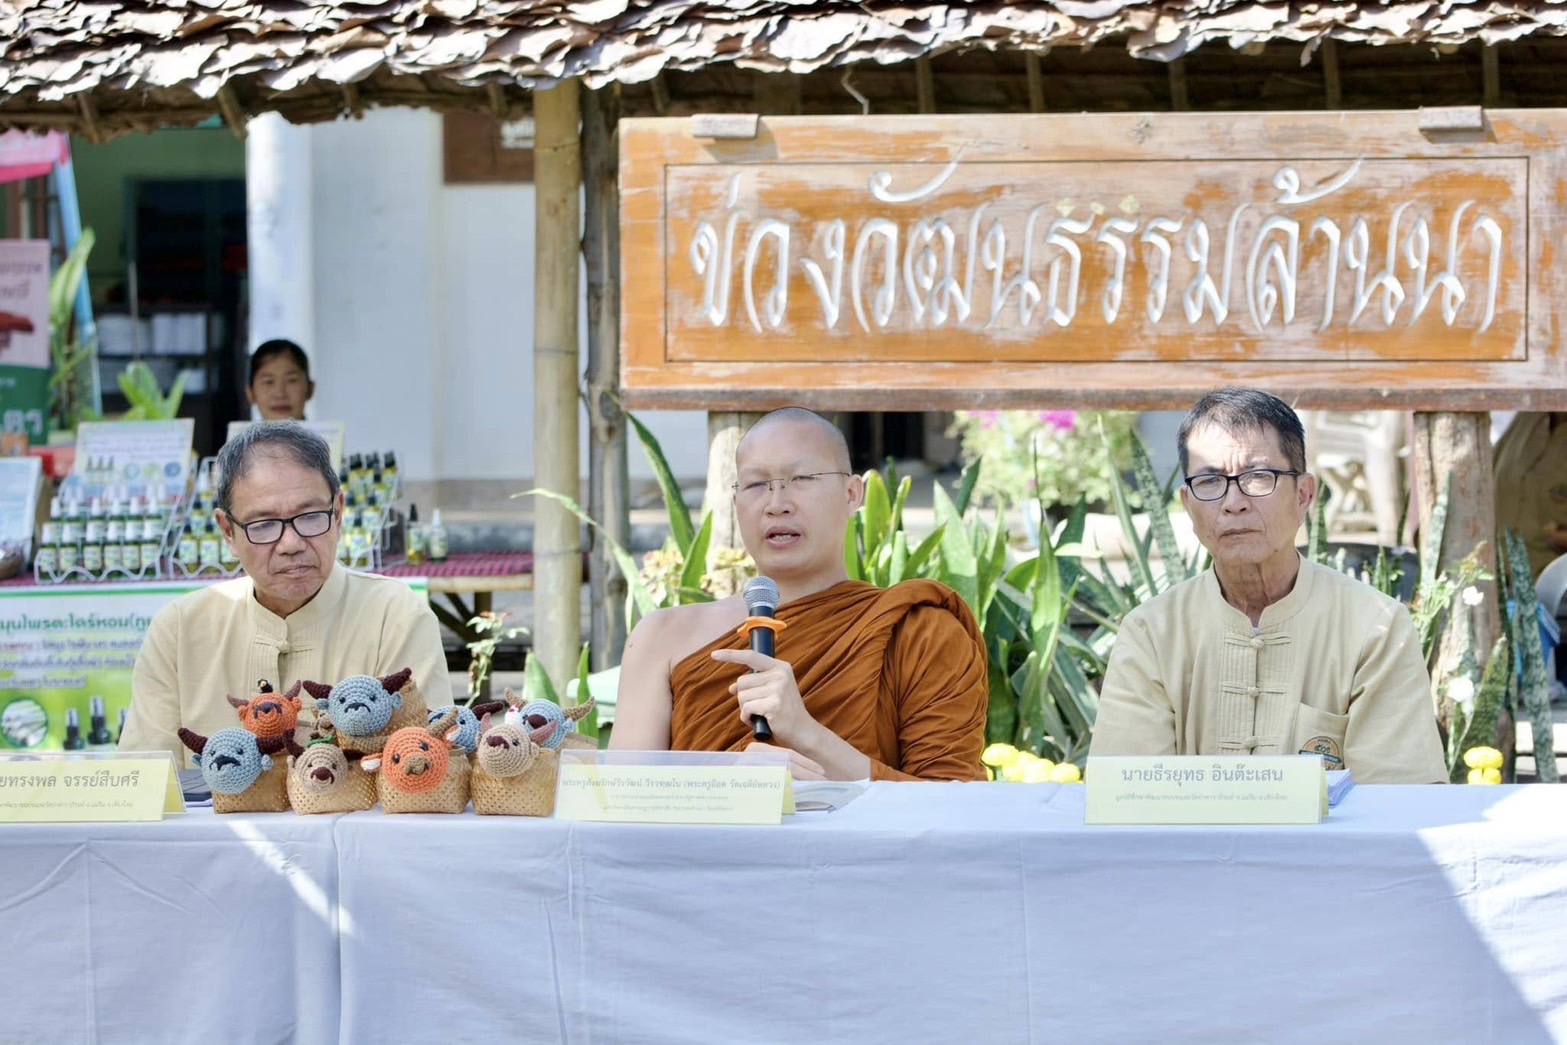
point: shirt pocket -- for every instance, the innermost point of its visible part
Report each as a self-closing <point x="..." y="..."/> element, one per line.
<point x="1319" y="732"/>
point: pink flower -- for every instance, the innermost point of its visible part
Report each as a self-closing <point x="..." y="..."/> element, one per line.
<point x="1060" y="420"/>
<point x="988" y="418"/>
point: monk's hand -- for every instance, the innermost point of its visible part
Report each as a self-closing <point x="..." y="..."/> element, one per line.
<point x="800" y="767"/>
<point x="769" y="690"/>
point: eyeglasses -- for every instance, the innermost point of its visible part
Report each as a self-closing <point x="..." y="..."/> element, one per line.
<point x="270" y="531"/>
<point x="1259" y="482"/>
<point x="799" y="484"/>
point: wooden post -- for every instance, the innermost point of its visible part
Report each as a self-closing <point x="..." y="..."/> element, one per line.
<point x="557" y="541"/>
<point x="723" y="435"/>
<point x="1453" y="450"/>
<point x="609" y="495"/>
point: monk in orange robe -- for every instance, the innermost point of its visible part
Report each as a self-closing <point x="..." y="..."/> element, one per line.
<point x="866" y="683"/>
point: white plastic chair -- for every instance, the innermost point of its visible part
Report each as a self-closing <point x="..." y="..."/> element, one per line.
<point x="1357" y="456"/>
<point x="1549" y="589"/>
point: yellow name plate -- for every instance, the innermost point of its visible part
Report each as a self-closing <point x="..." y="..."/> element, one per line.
<point x="73" y="788"/>
<point x="1200" y="789"/>
<point x="672" y="787"/>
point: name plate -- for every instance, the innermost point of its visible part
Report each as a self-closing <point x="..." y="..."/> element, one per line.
<point x="674" y="787"/>
<point x="82" y="788"/>
<point x="1201" y="789"/>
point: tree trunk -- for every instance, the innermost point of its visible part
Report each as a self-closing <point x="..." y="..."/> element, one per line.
<point x="557" y="541"/>
<point x="723" y="436"/>
<point x="1453" y="451"/>
<point x="609" y="498"/>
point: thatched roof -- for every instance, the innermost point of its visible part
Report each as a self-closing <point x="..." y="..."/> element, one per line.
<point x="104" y="68"/>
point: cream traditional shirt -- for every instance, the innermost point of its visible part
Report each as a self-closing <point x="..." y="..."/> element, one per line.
<point x="1334" y="668"/>
<point x="219" y="641"/>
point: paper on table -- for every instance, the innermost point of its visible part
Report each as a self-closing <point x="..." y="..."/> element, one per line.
<point x="1339" y="783"/>
<point x="819" y="795"/>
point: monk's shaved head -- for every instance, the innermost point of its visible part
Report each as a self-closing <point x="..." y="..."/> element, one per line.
<point x="834" y="442"/>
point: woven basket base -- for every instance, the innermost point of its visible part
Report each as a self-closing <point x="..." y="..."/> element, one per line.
<point x="269" y="794"/>
<point x="450" y="797"/>
<point x="531" y="793"/>
<point x="352" y="794"/>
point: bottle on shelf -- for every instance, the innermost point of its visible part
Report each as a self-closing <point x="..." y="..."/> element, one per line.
<point x="73" y="731"/>
<point x="120" y="732"/>
<point x="98" y="737"/>
<point x="415" y="544"/>
<point x="436" y="539"/>
<point x="113" y="542"/>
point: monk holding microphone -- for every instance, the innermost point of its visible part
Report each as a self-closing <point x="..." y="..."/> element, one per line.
<point x="865" y="682"/>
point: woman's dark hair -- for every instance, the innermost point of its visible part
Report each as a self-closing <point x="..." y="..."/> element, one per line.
<point x="277" y="347"/>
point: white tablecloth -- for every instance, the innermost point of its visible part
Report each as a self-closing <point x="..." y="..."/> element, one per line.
<point x="956" y="913"/>
<point x="198" y="929"/>
<point x="919" y="913"/>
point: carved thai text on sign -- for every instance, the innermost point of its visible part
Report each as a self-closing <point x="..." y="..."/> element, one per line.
<point x="1073" y="261"/>
<point x="1364" y="260"/>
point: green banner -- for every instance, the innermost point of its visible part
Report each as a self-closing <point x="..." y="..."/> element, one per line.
<point x="24" y="401"/>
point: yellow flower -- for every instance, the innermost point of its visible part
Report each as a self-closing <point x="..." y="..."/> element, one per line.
<point x="1066" y="773"/>
<point x="1483" y="758"/>
<point x="1038" y="771"/>
<point x="1487" y="775"/>
<point x="999" y="755"/>
<point x="1012" y="773"/>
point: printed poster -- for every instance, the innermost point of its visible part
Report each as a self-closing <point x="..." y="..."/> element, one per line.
<point x="24" y="337"/>
<point x="66" y="654"/>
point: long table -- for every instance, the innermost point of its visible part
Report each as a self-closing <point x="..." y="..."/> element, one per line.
<point x="918" y="913"/>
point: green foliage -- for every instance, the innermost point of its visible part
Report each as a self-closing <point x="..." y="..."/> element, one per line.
<point x="70" y="374"/>
<point x="1534" y="698"/>
<point x="676" y="574"/>
<point x="492" y="631"/>
<point x="1475" y="723"/>
<point x="145" y="395"/>
<point x="1050" y="456"/>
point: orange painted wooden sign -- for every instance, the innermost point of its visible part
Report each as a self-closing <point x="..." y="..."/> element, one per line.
<point x="1346" y="260"/>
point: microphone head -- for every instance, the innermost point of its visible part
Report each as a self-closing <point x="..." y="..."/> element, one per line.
<point x="761" y="596"/>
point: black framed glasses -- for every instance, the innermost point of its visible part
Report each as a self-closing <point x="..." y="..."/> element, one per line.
<point x="270" y="531"/>
<point x="1258" y="482"/>
<point x="799" y="484"/>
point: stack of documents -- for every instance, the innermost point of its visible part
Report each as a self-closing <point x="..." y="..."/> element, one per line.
<point x="1339" y="783"/>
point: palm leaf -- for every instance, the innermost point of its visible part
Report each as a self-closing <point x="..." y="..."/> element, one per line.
<point x="679" y="516"/>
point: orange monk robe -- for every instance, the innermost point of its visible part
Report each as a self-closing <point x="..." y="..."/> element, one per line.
<point x="900" y="673"/>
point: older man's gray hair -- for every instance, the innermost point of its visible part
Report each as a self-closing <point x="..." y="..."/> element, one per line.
<point x="289" y="440"/>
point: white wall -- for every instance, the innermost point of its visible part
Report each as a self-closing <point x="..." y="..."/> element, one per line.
<point x="422" y="301"/>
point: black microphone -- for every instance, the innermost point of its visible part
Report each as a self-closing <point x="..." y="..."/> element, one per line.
<point x="761" y="600"/>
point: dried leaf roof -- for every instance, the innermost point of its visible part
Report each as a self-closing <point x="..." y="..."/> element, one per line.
<point x="104" y="68"/>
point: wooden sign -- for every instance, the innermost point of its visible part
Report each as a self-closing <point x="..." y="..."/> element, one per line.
<point x="1344" y="260"/>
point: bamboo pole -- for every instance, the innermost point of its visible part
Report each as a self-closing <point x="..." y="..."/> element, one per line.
<point x="557" y="541"/>
<point x="609" y="494"/>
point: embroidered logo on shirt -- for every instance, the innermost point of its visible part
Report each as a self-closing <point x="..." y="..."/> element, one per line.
<point x="1328" y="748"/>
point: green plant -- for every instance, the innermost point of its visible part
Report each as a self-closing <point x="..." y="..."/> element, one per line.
<point x="492" y="629"/>
<point x="676" y="574"/>
<point x="145" y="395"/>
<point x="1046" y="456"/>
<point x="70" y="375"/>
<point x="1534" y="699"/>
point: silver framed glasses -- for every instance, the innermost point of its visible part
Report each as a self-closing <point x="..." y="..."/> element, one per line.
<point x="800" y="484"/>
<point x="1257" y="482"/>
<point x="270" y="531"/>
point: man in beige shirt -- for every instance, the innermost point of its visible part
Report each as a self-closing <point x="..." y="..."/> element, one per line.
<point x="1266" y="653"/>
<point x="295" y="614"/>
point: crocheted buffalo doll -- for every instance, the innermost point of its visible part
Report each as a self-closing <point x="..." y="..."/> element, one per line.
<point x="420" y="770"/>
<point x="547" y="719"/>
<point x="239" y="768"/>
<point x="364" y="710"/>
<point x="321" y="779"/>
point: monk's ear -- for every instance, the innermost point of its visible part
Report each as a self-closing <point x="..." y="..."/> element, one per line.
<point x="856" y="485"/>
